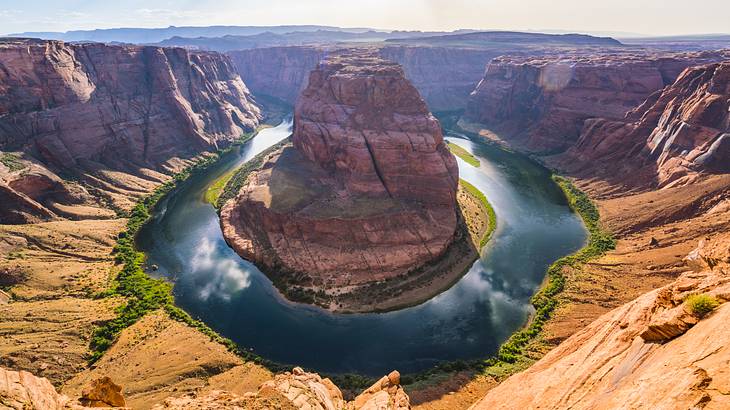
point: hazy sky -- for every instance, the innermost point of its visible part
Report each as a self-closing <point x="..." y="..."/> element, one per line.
<point x="637" y="16"/>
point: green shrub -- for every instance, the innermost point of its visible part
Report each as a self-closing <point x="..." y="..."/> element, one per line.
<point x="701" y="305"/>
<point x="12" y="161"/>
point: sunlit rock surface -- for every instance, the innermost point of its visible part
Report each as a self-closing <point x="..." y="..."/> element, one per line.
<point x="367" y="191"/>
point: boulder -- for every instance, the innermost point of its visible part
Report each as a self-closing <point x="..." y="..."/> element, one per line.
<point x="102" y="392"/>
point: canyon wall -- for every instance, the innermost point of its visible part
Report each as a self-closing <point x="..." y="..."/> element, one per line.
<point x="280" y="72"/>
<point x="541" y="103"/>
<point x="676" y="135"/>
<point x="443" y="75"/>
<point x="366" y="193"/>
<point x="87" y="111"/>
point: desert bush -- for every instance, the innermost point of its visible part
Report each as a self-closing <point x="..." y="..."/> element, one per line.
<point x="701" y="305"/>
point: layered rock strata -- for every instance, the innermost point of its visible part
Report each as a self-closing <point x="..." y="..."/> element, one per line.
<point x="674" y="137"/>
<point x="89" y="110"/>
<point x="443" y="75"/>
<point x="366" y="192"/>
<point x="541" y="103"/>
<point x="280" y="72"/>
<point x="655" y="352"/>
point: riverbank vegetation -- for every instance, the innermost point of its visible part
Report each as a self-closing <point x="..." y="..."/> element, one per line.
<point x="143" y="294"/>
<point x="491" y="216"/>
<point x="235" y="182"/>
<point x="546" y="300"/>
<point x="462" y="153"/>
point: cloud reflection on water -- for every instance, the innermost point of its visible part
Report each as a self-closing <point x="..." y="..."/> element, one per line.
<point x="222" y="277"/>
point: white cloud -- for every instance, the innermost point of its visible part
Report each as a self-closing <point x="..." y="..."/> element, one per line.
<point x="223" y="277"/>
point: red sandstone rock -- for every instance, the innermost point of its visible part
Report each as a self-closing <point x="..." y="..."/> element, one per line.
<point x="366" y="193"/>
<point x="542" y="102"/>
<point x="280" y="72"/>
<point x="670" y="139"/>
<point x="444" y="76"/>
<point x="89" y="109"/>
<point x="644" y="355"/>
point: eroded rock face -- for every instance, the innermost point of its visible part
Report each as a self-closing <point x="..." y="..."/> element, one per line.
<point x="676" y="135"/>
<point x="280" y="72"/>
<point x="650" y="353"/>
<point x="367" y="191"/>
<point x="21" y="390"/>
<point x="443" y="75"/>
<point x="541" y="103"/>
<point x="92" y="109"/>
<point x="299" y="390"/>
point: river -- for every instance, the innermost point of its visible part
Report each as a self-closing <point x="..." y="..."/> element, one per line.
<point x="470" y="320"/>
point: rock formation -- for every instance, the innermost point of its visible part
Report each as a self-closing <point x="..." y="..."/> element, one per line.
<point x="541" y="103"/>
<point x="103" y="392"/>
<point x="22" y="390"/>
<point x="280" y="72"/>
<point x="676" y="135"/>
<point x="443" y="75"/>
<point x="299" y="390"/>
<point x="366" y="192"/>
<point x="296" y="390"/>
<point x="655" y="352"/>
<point x="86" y="110"/>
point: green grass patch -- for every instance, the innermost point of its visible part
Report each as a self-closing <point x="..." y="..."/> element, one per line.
<point x="475" y="192"/>
<point x="216" y="188"/>
<point x="12" y="161"/>
<point x="462" y="153"/>
<point x="701" y="305"/>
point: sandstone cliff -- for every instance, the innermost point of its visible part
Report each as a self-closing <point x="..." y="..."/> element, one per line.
<point x="675" y="136"/>
<point x="541" y="103"/>
<point x="86" y="111"/>
<point x="443" y="75"/>
<point x="367" y="191"/>
<point x="659" y="351"/>
<point x="280" y="72"/>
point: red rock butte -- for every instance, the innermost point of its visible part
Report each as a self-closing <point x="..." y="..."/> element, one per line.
<point x="366" y="192"/>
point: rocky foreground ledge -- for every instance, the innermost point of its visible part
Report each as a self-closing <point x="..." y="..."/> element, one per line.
<point x="291" y="390"/>
<point x="366" y="193"/>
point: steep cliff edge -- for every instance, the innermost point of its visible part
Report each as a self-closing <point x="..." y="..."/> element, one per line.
<point x="280" y="72"/>
<point x="677" y="135"/>
<point x="666" y="349"/>
<point x="367" y="192"/>
<point x="443" y="75"/>
<point x="541" y="103"/>
<point x="90" y="111"/>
